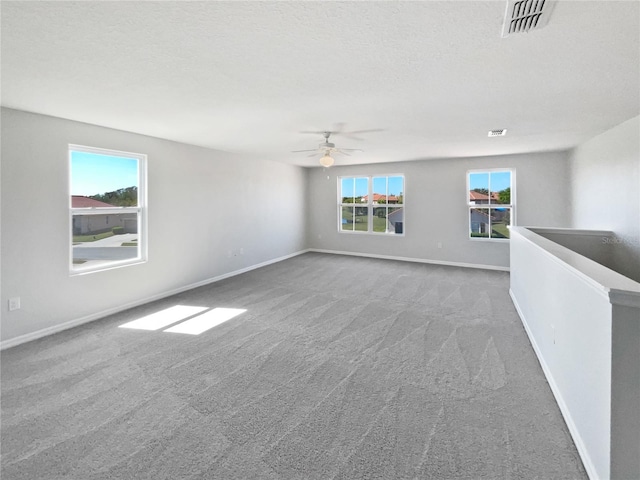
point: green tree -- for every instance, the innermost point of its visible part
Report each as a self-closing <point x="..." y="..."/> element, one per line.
<point x="504" y="196"/>
<point x="123" y="197"/>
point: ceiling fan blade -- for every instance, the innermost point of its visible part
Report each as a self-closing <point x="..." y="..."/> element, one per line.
<point x="354" y="135"/>
<point x="313" y="155"/>
<point x="342" y="152"/>
<point x="351" y="149"/>
<point x="371" y="130"/>
<point x="301" y="151"/>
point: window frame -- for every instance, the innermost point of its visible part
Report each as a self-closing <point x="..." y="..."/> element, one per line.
<point x="141" y="210"/>
<point x="511" y="206"/>
<point x="369" y="205"/>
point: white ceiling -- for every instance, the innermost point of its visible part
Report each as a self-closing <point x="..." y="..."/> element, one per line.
<point x="248" y="76"/>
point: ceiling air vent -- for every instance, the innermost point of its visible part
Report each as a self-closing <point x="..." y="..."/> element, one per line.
<point x="522" y="16"/>
<point x="497" y="133"/>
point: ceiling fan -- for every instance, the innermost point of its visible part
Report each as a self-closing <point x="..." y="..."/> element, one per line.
<point x="327" y="148"/>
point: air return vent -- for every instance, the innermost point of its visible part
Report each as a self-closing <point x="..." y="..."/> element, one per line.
<point x="522" y="16"/>
<point x="497" y="133"/>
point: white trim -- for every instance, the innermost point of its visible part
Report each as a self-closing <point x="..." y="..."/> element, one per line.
<point x="572" y="231"/>
<point x="13" y="342"/>
<point x="511" y="205"/>
<point x="575" y="434"/>
<point x="410" y="259"/>
<point x="612" y="285"/>
<point x="370" y="205"/>
<point x="140" y="210"/>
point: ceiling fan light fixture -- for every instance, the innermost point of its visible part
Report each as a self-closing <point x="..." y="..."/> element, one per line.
<point x="326" y="160"/>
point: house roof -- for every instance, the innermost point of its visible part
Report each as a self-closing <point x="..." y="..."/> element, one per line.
<point x="473" y="195"/>
<point x="78" y="201"/>
<point x="379" y="196"/>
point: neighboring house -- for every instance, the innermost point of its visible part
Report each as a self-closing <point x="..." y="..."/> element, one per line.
<point x="396" y="221"/>
<point x="100" y="222"/>
<point x="378" y="196"/>
<point x="78" y="201"/>
<point x="479" y="220"/>
<point x="477" y="198"/>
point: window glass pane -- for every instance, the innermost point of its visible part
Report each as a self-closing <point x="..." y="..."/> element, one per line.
<point x="362" y="189"/>
<point x="479" y="222"/>
<point x="353" y="189"/>
<point x="346" y="218"/>
<point x="103" y="180"/>
<point x="347" y="190"/>
<point x="500" y="187"/>
<point x="395" y="220"/>
<point x="500" y="219"/>
<point x="379" y="190"/>
<point x="99" y="239"/>
<point x="361" y="223"/>
<point x="380" y="219"/>
<point x="478" y="188"/>
<point x="396" y="190"/>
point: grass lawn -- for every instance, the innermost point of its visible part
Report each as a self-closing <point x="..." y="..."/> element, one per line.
<point x="379" y="224"/>
<point x="91" y="238"/>
<point x="500" y="230"/>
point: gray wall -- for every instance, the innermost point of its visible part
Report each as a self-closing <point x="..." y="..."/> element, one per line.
<point x="202" y="203"/>
<point x="605" y="191"/>
<point x="436" y="208"/>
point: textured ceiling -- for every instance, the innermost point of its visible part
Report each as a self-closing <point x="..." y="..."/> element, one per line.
<point x="248" y="76"/>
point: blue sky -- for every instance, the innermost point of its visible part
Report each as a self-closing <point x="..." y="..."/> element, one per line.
<point x="92" y="173"/>
<point x="494" y="181"/>
<point x="396" y="186"/>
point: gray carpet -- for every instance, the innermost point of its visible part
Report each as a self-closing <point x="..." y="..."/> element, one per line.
<point x="341" y="368"/>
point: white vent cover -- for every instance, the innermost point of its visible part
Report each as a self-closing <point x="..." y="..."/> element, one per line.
<point x="524" y="15"/>
<point x="497" y="133"/>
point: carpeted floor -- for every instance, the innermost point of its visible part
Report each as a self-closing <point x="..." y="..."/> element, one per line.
<point x="341" y="368"/>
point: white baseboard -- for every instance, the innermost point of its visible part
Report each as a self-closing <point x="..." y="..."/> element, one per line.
<point x="575" y="434"/>
<point x="409" y="259"/>
<point x="13" y="342"/>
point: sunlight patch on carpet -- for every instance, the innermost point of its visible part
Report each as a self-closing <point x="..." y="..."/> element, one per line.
<point x="206" y="321"/>
<point x="163" y="318"/>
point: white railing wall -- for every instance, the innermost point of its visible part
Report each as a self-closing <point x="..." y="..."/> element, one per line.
<point x="583" y="320"/>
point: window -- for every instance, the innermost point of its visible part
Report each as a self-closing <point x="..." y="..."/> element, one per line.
<point x="107" y="208"/>
<point x="371" y="204"/>
<point x="490" y="196"/>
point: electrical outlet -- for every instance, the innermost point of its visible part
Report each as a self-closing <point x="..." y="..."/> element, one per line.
<point x="439" y="244"/>
<point x="242" y="251"/>
<point x="14" y="304"/>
